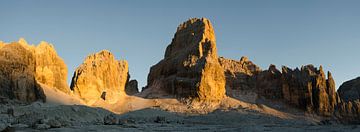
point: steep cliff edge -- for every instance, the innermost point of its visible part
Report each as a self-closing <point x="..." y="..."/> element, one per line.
<point x="24" y="66"/>
<point x="100" y="77"/>
<point x="17" y="74"/>
<point x="50" y="68"/>
<point x="190" y="68"/>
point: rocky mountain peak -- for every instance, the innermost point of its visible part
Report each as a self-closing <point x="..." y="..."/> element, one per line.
<point x="51" y="69"/>
<point x="100" y="77"/>
<point x="190" y="67"/>
<point x="194" y="34"/>
<point x="100" y="56"/>
<point x="22" y="41"/>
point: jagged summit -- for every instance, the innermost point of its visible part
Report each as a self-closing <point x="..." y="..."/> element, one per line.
<point x="193" y="34"/>
<point x="100" y="77"/>
<point x="190" y="67"/>
<point x="40" y="64"/>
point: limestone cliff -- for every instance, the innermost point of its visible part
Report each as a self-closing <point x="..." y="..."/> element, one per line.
<point x="24" y="66"/>
<point x="17" y="74"/>
<point x="100" y="77"/>
<point x="306" y="88"/>
<point x="190" y="67"/>
<point x="50" y="68"/>
<point x="309" y="89"/>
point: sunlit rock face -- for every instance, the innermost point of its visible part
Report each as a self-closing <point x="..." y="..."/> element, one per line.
<point x="17" y="73"/>
<point x="50" y="68"/>
<point x="24" y="66"/>
<point x="190" y="68"/>
<point x="100" y="77"/>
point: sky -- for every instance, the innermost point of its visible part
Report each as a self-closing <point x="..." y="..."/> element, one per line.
<point x="281" y="32"/>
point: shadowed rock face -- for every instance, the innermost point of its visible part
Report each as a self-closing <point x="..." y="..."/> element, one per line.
<point x="309" y="89"/>
<point x="190" y="67"/>
<point x="239" y="74"/>
<point x="349" y="105"/>
<point x="240" y="78"/>
<point x="100" y="77"/>
<point x="17" y="74"/>
<point x="350" y="90"/>
<point x="268" y="83"/>
<point x="306" y="88"/>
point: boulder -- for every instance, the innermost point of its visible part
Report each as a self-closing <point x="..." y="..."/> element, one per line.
<point x="100" y="77"/>
<point x="190" y="68"/>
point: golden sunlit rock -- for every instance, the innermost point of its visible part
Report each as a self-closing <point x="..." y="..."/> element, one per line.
<point x="50" y="68"/>
<point x="17" y="76"/>
<point x="190" y="67"/>
<point x="100" y="77"/>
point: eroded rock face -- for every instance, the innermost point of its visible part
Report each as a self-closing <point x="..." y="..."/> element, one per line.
<point x="190" y="67"/>
<point x="240" y="78"/>
<point x="100" y="77"/>
<point x="28" y="65"/>
<point x="239" y="74"/>
<point x="17" y="74"/>
<point x="50" y="68"/>
<point x="306" y="88"/>
<point x="269" y="83"/>
<point x="309" y="89"/>
<point x="348" y="108"/>
<point x="350" y="90"/>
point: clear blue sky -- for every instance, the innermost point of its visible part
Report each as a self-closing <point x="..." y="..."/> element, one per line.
<point x="282" y="32"/>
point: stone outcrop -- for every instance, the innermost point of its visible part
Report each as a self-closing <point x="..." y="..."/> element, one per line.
<point x="131" y="87"/>
<point x="190" y="68"/>
<point x="100" y="77"/>
<point x="350" y="90"/>
<point x="17" y="74"/>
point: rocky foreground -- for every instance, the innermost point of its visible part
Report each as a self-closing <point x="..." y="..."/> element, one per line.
<point x="190" y="89"/>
